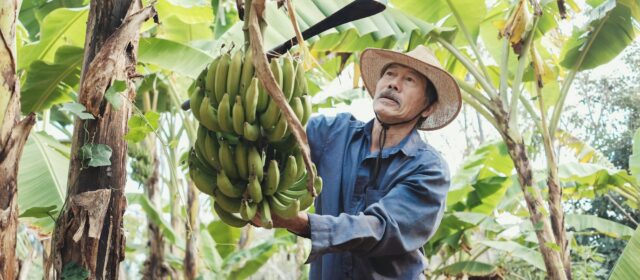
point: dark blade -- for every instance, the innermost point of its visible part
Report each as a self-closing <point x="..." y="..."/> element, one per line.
<point x="353" y="11"/>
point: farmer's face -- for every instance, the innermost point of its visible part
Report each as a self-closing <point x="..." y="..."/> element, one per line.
<point x="400" y="94"/>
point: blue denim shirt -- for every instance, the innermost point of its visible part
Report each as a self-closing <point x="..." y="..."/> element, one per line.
<point x="367" y="230"/>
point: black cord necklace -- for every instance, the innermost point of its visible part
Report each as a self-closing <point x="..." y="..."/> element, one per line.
<point x="382" y="138"/>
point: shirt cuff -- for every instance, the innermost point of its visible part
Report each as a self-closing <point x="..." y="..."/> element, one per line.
<point x="320" y="228"/>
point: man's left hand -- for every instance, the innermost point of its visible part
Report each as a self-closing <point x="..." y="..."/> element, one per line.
<point x="298" y="224"/>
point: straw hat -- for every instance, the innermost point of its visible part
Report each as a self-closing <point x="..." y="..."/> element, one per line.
<point x="421" y="59"/>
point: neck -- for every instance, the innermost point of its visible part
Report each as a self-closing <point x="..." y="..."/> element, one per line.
<point x="395" y="134"/>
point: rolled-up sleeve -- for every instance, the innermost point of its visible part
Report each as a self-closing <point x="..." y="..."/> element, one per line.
<point x="400" y="222"/>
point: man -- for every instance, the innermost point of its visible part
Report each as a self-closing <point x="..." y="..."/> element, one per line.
<point x="377" y="209"/>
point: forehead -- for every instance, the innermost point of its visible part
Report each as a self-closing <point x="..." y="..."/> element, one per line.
<point x="396" y="66"/>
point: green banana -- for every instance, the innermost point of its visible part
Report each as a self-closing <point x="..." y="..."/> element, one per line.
<point x="265" y="215"/>
<point x="251" y="101"/>
<point x="292" y="211"/>
<point x="251" y="132"/>
<point x="222" y="69"/>
<point x="263" y="98"/>
<point x="298" y="108"/>
<point x="289" y="176"/>
<point x="229" y="204"/>
<point x="305" y="201"/>
<point x="229" y="137"/>
<point x="226" y="187"/>
<point x="226" y="160"/>
<point x="247" y="71"/>
<point x="308" y="109"/>
<point x="276" y="204"/>
<point x="194" y="101"/>
<point x="288" y="77"/>
<point x="228" y="218"/>
<point x="208" y="115"/>
<point x="285" y="199"/>
<point x="277" y="71"/>
<point x="224" y="114"/>
<point x="211" y="151"/>
<point x="301" y="81"/>
<point x="254" y="159"/>
<point x="202" y="180"/>
<point x="248" y="210"/>
<point x="202" y="134"/>
<point x="278" y="132"/>
<point x="273" y="178"/>
<point x="233" y="77"/>
<point x="317" y="184"/>
<point x="238" y="116"/>
<point x="201" y="163"/>
<point x="269" y="118"/>
<point x="241" y="157"/>
<point x="254" y="189"/>
<point x="209" y="83"/>
<point x="301" y="168"/>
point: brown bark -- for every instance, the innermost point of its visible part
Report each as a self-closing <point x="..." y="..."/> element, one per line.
<point x="13" y="136"/>
<point x="535" y="204"/>
<point x="89" y="231"/>
<point x="192" y="228"/>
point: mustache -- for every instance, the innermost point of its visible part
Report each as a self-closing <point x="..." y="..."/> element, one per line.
<point x="390" y="94"/>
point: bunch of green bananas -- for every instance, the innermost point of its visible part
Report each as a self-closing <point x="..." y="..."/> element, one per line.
<point x="245" y="156"/>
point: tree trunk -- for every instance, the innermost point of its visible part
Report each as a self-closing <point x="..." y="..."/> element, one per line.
<point x="89" y="231"/>
<point x="192" y="229"/>
<point x="155" y="266"/>
<point x="535" y="204"/>
<point x="13" y="135"/>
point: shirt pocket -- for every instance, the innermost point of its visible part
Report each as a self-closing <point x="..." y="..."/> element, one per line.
<point x="372" y="196"/>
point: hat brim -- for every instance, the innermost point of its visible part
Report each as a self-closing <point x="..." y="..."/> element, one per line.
<point x="373" y="61"/>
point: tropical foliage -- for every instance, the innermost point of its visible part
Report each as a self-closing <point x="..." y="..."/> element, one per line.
<point x="515" y="206"/>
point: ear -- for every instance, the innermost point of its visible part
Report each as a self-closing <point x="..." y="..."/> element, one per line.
<point x="427" y="112"/>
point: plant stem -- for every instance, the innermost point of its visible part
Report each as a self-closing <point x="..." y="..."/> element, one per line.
<point x="515" y="86"/>
<point x="504" y="69"/>
<point x="470" y="66"/>
<point x="472" y="42"/>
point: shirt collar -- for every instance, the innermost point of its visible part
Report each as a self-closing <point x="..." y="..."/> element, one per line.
<point x="409" y="145"/>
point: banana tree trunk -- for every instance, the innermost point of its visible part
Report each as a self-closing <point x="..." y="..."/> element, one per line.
<point x="155" y="267"/>
<point x="192" y="228"/>
<point x="13" y="135"/>
<point x="89" y="231"/>
<point x="552" y="258"/>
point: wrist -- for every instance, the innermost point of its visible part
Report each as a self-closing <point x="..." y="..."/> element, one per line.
<point x="300" y="225"/>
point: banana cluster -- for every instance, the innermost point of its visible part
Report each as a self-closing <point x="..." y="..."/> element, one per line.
<point x="245" y="155"/>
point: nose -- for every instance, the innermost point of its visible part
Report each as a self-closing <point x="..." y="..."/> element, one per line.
<point x="394" y="84"/>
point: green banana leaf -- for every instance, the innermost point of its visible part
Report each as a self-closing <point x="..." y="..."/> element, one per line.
<point x="245" y="263"/>
<point x="628" y="263"/>
<point x="50" y="84"/>
<point x="516" y="250"/>
<point x="610" y="228"/>
<point x="42" y="177"/>
<point x="33" y="12"/>
<point x="225" y="236"/>
<point x="587" y="180"/>
<point x="155" y="215"/>
<point x="481" y="183"/>
<point x="472" y="12"/>
<point x="60" y="27"/>
<point x="173" y="56"/>
<point x="208" y="252"/>
<point x="471" y="268"/>
<point x="610" y="29"/>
